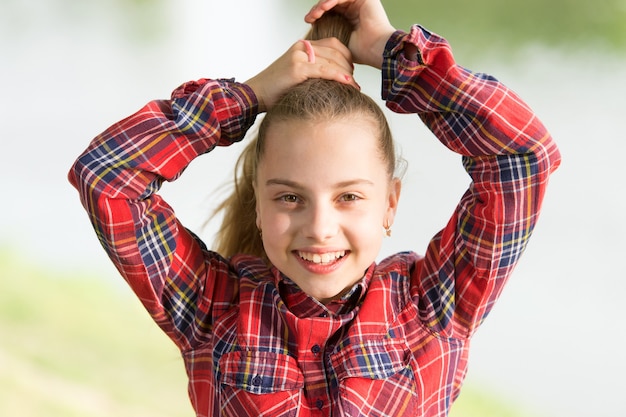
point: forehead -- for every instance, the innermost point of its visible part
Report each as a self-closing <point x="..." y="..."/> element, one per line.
<point x="327" y="150"/>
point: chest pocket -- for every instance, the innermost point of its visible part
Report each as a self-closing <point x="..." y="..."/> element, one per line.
<point x="259" y="383"/>
<point x="375" y="379"/>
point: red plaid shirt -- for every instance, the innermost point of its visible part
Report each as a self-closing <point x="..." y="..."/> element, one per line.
<point x="252" y="342"/>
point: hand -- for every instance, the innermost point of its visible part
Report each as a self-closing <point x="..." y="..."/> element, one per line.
<point x="372" y="28"/>
<point x="333" y="61"/>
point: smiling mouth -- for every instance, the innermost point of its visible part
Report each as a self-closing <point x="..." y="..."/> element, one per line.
<point x="322" y="258"/>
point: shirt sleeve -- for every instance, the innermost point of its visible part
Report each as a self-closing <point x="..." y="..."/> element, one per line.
<point x="509" y="156"/>
<point x="118" y="176"/>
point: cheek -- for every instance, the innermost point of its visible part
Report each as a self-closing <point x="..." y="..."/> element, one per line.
<point x="277" y="237"/>
<point x="275" y="223"/>
<point x="364" y="226"/>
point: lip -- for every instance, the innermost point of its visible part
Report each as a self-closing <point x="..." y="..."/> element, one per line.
<point x="319" y="268"/>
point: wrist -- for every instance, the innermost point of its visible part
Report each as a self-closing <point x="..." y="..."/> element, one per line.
<point x="258" y="92"/>
<point x="377" y="49"/>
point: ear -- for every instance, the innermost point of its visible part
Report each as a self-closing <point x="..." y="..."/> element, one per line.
<point x="395" y="187"/>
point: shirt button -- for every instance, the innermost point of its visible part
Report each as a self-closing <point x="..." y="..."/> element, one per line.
<point x="257" y="380"/>
<point x="319" y="404"/>
<point x="316" y="349"/>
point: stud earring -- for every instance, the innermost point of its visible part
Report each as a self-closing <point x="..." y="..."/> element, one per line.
<point x="387" y="228"/>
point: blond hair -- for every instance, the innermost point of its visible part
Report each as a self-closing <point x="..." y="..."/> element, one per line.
<point x="312" y="100"/>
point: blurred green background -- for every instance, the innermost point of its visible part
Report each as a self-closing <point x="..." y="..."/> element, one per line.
<point x="490" y="24"/>
<point x="485" y="27"/>
<point x="75" y="342"/>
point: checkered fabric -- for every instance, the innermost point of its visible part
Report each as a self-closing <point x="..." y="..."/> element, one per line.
<point x="253" y="343"/>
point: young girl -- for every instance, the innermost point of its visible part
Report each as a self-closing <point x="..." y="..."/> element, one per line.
<point x="291" y="316"/>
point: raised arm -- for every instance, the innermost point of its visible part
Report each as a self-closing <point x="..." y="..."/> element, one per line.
<point x="118" y="176"/>
<point x="507" y="152"/>
<point x="182" y="285"/>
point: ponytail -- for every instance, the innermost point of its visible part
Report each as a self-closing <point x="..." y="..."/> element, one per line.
<point x="331" y="25"/>
<point x="238" y="232"/>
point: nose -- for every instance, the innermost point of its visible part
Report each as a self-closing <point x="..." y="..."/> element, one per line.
<point x="321" y="222"/>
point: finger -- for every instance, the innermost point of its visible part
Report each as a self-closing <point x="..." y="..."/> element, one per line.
<point x="333" y="59"/>
<point x="308" y="48"/>
<point x="332" y="48"/>
<point x="319" y="9"/>
<point x="338" y="75"/>
<point x="331" y="55"/>
<point x="329" y="69"/>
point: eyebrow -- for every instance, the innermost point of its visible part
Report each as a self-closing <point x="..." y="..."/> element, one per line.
<point x="294" y="184"/>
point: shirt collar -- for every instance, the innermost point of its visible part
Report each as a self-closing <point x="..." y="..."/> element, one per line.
<point x="303" y="305"/>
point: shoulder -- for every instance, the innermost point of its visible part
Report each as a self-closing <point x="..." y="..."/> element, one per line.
<point x="401" y="262"/>
<point x="397" y="271"/>
<point x="250" y="267"/>
<point x="389" y="291"/>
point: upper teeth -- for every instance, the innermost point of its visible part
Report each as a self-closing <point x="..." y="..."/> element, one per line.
<point x="322" y="258"/>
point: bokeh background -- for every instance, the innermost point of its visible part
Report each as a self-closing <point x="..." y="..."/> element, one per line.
<point x="75" y="342"/>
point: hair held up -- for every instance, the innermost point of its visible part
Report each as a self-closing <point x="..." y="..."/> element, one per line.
<point x="314" y="99"/>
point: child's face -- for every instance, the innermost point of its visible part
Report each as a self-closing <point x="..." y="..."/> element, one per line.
<point x="323" y="197"/>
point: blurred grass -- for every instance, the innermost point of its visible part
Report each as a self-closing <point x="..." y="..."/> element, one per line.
<point x="73" y="345"/>
<point x="557" y="22"/>
<point x="486" y="28"/>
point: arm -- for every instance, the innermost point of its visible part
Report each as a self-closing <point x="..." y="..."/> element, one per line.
<point x="182" y="286"/>
<point x="118" y="176"/>
<point x="507" y="152"/>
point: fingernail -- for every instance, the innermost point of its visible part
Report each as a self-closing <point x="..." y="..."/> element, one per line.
<point x="351" y="79"/>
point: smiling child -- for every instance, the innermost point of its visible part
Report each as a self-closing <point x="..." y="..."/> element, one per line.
<point x="289" y="314"/>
